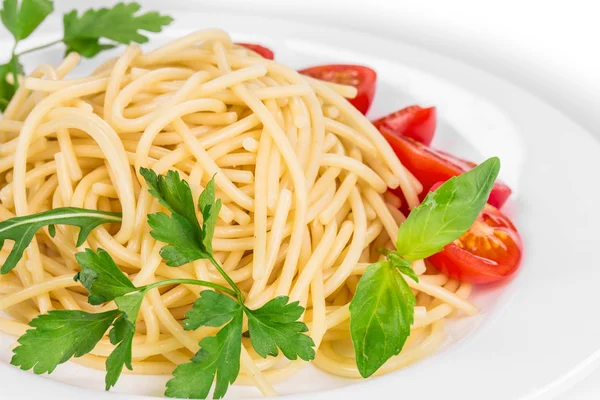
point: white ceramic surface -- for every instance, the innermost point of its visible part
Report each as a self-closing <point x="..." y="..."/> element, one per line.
<point x="533" y="337"/>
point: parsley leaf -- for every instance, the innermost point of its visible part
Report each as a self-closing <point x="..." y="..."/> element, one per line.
<point x="381" y="314"/>
<point x="105" y="282"/>
<point x="122" y="335"/>
<point x="16" y="68"/>
<point x="188" y="241"/>
<point x="210" y="212"/>
<point x="272" y="327"/>
<point x="7" y="89"/>
<point x="218" y="355"/>
<point x="275" y="325"/>
<point x="173" y="193"/>
<point x="58" y="336"/>
<point x="87" y="48"/>
<point x="120" y="24"/>
<point x="130" y="305"/>
<point x="447" y="212"/>
<point x="101" y="277"/>
<point x="184" y="244"/>
<point x="22" y="229"/>
<point x="21" y="22"/>
<point x="211" y="309"/>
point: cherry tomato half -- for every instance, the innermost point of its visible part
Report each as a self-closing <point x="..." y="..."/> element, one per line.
<point x="362" y="78"/>
<point x="430" y="166"/>
<point x="414" y="122"/>
<point x="488" y="252"/>
<point x="261" y="50"/>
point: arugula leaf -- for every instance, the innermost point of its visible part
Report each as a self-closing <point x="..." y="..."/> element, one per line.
<point x="21" y="22"/>
<point x="101" y="277"/>
<point x="122" y="335"/>
<point x="187" y="239"/>
<point x="22" y="229"/>
<point x="218" y="355"/>
<point x="275" y="325"/>
<point x="381" y="314"/>
<point x="119" y="24"/>
<point x="58" y="336"/>
<point x="447" y="213"/>
<point x="211" y="309"/>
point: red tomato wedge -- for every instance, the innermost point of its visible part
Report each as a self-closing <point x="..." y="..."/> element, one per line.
<point x="488" y="252"/>
<point x="430" y="166"/>
<point x="362" y="78"/>
<point x="261" y="50"/>
<point x="414" y="122"/>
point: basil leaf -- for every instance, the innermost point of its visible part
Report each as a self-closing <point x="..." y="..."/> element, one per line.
<point x="402" y="265"/>
<point x="381" y="314"/>
<point x="447" y="213"/>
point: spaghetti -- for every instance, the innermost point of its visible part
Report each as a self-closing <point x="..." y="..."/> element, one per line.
<point x="303" y="177"/>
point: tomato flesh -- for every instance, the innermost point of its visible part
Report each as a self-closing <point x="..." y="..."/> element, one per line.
<point x="362" y="78"/>
<point x="430" y="166"/>
<point x="261" y="50"/>
<point x="414" y="122"/>
<point x="489" y="251"/>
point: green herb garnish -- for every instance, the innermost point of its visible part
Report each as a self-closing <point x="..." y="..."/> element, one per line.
<point x="117" y="25"/>
<point x="21" y="230"/>
<point x="218" y="355"/>
<point x="60" y="335"/>
<point x="382" y="309"/>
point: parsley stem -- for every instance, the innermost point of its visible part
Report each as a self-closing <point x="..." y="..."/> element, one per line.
<point x="191" y="282"/>
<point x="237" y="290"/>
<point x="40" y="47"/>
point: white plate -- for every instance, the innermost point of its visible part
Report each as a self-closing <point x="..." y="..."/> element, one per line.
<point x="535" y="335"/>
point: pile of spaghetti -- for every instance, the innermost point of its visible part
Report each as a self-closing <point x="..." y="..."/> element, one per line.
<point x="303" y="177"/>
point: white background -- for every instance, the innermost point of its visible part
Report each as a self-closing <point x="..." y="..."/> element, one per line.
<point x="544" y="46"/>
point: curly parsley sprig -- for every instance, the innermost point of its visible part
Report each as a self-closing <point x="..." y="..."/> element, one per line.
<point x="88" y="34"/>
